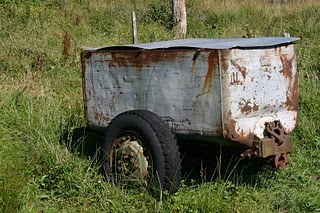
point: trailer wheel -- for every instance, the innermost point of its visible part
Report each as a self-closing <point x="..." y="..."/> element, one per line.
<point x="140" y="150"/>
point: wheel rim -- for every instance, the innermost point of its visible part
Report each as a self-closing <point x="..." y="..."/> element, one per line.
<point x="129" y="160"/>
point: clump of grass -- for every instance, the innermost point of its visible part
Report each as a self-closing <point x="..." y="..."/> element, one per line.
<point x="13" y="177"/>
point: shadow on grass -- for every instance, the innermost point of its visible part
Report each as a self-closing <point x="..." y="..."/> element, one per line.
<point x="83" y="141"/>
<point x="201" y="162"/>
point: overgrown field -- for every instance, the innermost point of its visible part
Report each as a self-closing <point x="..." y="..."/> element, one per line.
<point x="41" y="99"/>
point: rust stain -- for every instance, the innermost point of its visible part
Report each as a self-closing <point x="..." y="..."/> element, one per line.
<point x="212" y="64"/>
<point x="101" y="117"/>
<point x="255" y="107"/>
<point x="292" y="94"/>
<point x="267" y="70"/>
<point x="225" y="56"/>
<point x="237" y="135"/>
<point x="247" y="108"/>
<point x="207" y="85"/>
<point x="242" y="70"/>
<point x="287" y="65"/>
<point x="84" y="64"/>
<point x="235" y="80"/>
<point x="139" y="59"/>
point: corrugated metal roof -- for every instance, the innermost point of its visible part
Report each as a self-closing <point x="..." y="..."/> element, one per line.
<point x="208" y="43"/>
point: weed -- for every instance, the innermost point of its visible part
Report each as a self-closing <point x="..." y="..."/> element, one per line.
<point x="66" y="45"/>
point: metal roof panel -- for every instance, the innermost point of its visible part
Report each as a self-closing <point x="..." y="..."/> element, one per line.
<point x="208" y="43"/>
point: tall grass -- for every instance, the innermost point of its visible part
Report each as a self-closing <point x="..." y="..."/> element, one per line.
<point x="41" y="99"/>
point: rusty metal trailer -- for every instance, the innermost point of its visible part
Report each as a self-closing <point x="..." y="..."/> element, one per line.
<point x="236" y="91"/>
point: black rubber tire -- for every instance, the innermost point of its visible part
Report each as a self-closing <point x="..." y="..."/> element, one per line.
<point x="157" y="138"/>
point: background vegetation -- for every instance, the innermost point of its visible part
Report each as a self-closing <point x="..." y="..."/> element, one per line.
<point x="41" y="99"/>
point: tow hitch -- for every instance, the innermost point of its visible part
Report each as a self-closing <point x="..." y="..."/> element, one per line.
<point x="274" y="146"/>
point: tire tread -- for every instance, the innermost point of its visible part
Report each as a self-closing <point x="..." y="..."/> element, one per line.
<point x="170" y="150"/>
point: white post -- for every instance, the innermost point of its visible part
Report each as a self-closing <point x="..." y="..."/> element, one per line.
<point x="134" y="28"/>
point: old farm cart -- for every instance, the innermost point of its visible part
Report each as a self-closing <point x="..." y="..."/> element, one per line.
<point x="240" y="91"/>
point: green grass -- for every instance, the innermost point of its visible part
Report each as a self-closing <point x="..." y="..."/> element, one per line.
<point x="41" y="99"/>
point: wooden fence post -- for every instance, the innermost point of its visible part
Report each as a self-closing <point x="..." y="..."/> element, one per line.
<point x="180" y="16"/>
<point x="134" y="28"/>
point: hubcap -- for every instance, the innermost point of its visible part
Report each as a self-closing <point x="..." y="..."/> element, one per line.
<point x="129" y="160"/>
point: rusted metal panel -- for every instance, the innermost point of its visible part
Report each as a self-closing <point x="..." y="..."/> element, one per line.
<point x="182" y="86"/>
<point x="258" y="86"/>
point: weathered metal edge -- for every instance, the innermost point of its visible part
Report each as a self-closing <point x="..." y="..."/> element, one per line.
<point x="205" y="43"/>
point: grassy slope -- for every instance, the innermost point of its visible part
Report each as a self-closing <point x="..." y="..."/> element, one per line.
<point x="41" y="98"/>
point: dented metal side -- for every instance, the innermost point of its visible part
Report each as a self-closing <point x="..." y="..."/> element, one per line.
<point x="258" y="86"/>
<point x="182" y="86"/>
